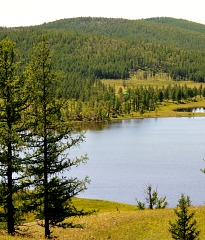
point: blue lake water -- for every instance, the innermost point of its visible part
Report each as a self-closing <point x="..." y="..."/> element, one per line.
<point x="125" y="156"/>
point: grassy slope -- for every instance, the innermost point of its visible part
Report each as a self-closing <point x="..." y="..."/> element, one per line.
<point x="117" y="221"/>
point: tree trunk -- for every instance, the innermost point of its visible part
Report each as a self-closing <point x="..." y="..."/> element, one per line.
<point x="47" y="231"/>
<point x="10" y="206"/>
<point x="46" y="204"/>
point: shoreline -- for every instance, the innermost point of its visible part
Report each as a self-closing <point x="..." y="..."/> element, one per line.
<point x="168" y="110"/>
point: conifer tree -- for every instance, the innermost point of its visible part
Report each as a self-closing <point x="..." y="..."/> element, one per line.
<point x="185" y="226"/>
<point x="52" y="140"/>
<point x="13" y="102"/>
<point x="152" y="199"/>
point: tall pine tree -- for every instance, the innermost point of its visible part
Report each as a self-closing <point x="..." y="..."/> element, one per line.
<point x="13" y="103"/>
<point x="49" y="149"/>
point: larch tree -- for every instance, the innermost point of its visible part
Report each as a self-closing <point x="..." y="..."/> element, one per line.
<point x="13" y="103"/>
<point x="52" y="138"/>
<point x="185" y="227"/>
<point x="152" y="199"/>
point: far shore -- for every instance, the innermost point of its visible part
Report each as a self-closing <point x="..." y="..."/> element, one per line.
<point x="168" y="109"/>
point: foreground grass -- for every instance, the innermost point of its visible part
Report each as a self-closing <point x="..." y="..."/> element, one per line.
<point x="115" y="221"/>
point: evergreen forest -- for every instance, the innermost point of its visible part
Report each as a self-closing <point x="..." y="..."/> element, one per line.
<point x="88" y="50"/>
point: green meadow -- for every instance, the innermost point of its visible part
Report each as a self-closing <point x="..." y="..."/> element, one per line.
<point x="113" y="220"/>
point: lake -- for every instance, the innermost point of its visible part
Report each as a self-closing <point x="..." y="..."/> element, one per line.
<point x="125" y="156"/>
<point x="193" y="110"/>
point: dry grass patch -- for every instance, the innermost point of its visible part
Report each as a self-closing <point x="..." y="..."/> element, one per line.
<point x="118" y="225"/>
<point x="157" y="81"/>
<point x="126" y="225"/>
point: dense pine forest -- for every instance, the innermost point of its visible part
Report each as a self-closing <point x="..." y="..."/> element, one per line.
<point x="87" y="50"/>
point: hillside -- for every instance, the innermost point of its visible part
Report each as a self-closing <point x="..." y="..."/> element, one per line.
<point x="167" y="31"/>
<point x="180" y="23"/>
<point x="106" y="48"/>
<point x="87" y="50"/>
<point x="115" y="221"/>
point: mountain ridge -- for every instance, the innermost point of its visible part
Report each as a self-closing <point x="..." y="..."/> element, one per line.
<point x="174" y="32"/>
<point x="181" y="23"/>
<point x="106" y="48"/>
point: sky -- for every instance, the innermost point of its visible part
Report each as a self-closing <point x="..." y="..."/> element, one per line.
<point x="34" y="12"/>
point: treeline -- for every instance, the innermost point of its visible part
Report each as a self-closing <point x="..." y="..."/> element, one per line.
<point x="104" y="103"/>
<point x="142" y="99"/>
<point x="180" y="23"/>
<point x="163" y="31"/>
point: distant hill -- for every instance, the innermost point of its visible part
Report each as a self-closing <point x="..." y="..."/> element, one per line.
<point x="167" y="31"/>
<point x="108" y="48"/>
<point x="180" y="23"/>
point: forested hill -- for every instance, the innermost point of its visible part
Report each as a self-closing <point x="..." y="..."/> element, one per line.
<point x="88" y="49"/>
<point x="105" y="48"/>
<point x="166" y="31"/>
<point x="180" y="23"/>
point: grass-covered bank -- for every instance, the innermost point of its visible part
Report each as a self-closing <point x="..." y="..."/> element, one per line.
<point x="168" y="109"/>
<point x="115" y="221"/>
<point x="165" y="107"/>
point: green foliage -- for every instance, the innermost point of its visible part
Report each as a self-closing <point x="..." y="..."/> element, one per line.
<point x="84" y="59"/>
<point x="174" y="32"/>
<point x="14" y="101"/>
<point x="140" y="205"/>
<point x="90" y="49"/>
<point x="94" y="47"/>
<point x="152" y="199"/>
<point x="180" y="23"/>
<point x="185" y="226"/>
